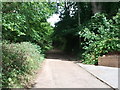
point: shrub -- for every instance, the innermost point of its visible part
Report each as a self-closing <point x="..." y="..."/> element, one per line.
<point x="101" y="36"/>
<point x="19" y="61"/>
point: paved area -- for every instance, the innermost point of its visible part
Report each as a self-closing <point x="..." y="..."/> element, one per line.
<point x="107" y="74"/>
<point x="57" y="73"/>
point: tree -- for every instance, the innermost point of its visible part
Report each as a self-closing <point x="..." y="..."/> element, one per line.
<point x="27" y="22"/>
<point x="77" y="15"/>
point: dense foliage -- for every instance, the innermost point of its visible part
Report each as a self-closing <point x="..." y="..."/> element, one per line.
<point x="25" y="26"/>
<point x="101" y="36"/>
<point x="27" y="22"/>
<point x="89" y="29"/>
<point x="19" y="62"/>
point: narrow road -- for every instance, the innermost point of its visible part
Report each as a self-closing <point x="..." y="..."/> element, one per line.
<point x="58" y="72"/>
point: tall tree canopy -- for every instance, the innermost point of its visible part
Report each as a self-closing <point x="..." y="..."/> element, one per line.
<point x="27" y="22"/>
<point x="82" y="23"/>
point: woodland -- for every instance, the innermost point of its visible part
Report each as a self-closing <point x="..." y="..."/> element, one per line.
<point x="86" y="30"/>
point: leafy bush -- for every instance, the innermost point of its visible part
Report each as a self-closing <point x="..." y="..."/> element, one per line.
<point x="101" y="36"/>
<point x="23" y="22"/>
<point x="19" y="61"/>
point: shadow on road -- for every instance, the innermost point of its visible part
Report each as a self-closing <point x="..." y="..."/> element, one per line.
<point x="58" y="54"/>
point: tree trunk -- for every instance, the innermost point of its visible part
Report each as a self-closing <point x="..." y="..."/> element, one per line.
<point x="79" y="15"/>
<point x="79" y="23"/>
<point x="96" y="7"/>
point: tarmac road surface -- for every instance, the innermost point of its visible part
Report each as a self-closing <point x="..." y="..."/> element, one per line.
<point x="61" y="73"/>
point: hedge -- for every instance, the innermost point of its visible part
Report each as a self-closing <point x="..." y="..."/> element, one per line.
<point x="19" y="62"/>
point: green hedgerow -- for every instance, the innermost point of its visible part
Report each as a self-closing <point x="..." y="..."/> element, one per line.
<point x="101" y="36"/>
<point x="19" y="61"/>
